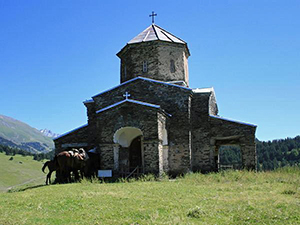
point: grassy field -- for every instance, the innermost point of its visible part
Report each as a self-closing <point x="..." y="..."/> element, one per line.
<point x="232" y="197"/>
<point x="19" y="170"/>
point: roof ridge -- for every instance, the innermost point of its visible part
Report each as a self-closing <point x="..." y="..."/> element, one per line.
<point x="203" y="90"/>
<point x="153" y="27"/>
<point x="128" y="100"/>
<point x="168" y="32"/>
<point x="142" y="78"/>
<point x="234" y="121"/>
<point x="155" y="33"/>
<point x="135" y="102"/>
<point x="146" y="35"/>
<point x="163" y="32"/>
<point x="68" y="132"/>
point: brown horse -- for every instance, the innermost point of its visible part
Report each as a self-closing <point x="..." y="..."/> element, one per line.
<point x="51" y="167"/>
<point x="66" y="163"/>
<point x="92" y="165"/>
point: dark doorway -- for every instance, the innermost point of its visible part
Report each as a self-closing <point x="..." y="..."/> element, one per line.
<point x="135" y="154"/>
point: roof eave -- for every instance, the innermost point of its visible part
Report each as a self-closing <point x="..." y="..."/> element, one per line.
<point x="145" y="79"/>
<point x="233" y="121"/>
<point x="124" y="49"/>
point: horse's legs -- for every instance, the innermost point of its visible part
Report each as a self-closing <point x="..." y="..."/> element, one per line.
<point x="76" y="175"/>
<point x="49" y="177"/>
<point x="82" y="173"/>
<point x="67" y="175"/>
<point x="62" y="175"/>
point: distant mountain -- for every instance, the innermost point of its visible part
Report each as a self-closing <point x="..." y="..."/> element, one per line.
<point x="17" y="134"/>
<point x="49" y="133"/>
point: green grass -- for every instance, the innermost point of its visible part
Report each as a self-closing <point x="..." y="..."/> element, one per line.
<point x="232" y="197"/>
<point x="19" y="170"/>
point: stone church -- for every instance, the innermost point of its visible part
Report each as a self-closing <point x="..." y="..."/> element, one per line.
<point x="153" y="122"/>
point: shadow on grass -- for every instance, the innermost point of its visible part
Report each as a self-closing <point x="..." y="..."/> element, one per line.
<point x="20" y="189"/>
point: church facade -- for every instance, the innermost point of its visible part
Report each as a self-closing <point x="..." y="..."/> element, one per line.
<point x="153" y="122"/>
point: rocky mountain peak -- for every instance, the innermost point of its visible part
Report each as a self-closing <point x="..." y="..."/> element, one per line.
<point x="49" y="133"/>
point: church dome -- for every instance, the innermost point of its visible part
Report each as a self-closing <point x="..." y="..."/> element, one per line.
<point x="153" y="33"/>
<point x="157" y="54"/>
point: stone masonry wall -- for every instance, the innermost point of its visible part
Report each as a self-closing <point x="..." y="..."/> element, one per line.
<point x="161" y="126"/>
<point x="78" y="138"/>
<point x="244" y="133"/>
<point x="128" y="115"/>
<point x="176" y="52"/>
<point x="180" y="142"/>
<point x="174" y="100"/>
<point x="213" y="107"/>
<point x="133" y="57"/>
<point x="151" y="157"/>
<point x="158" y="55"/>
<point x="200" y="132"/>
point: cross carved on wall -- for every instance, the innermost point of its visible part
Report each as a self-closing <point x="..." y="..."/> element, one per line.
<point x="126" y="95"/>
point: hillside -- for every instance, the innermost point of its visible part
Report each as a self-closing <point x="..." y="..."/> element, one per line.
<point x="231" y="197"/>
<point x="17" y="169"/>
<point x="15" y="133"/>
<point x="278" y="153"/>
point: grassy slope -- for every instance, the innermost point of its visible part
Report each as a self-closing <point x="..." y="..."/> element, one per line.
<point x="19" y="170"/>
<point x="234" y="197"/>
<point x="19" y="132"/>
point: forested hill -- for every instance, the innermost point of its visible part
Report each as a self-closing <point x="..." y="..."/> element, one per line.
<point x="8" y="150"/>
<point x="278" y="153"/>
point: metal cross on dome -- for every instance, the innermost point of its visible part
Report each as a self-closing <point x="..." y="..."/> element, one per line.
<point x="126" y="95"/>
<point x="152" y="15"/>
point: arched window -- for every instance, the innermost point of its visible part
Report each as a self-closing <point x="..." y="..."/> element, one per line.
<point x="165" y="136"/>
<point x="145" y="66"/>
<point x="172" y="66"/>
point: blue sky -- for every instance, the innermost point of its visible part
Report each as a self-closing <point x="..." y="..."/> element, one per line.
<point x="56" y="54"/>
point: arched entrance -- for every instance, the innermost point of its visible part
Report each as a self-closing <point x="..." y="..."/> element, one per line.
<point x="129" y="152"/>
<point x="125" y="135"/>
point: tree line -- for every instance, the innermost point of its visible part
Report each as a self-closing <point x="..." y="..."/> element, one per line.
<point x="278" y="153"/>
<point x="13" y="151"/>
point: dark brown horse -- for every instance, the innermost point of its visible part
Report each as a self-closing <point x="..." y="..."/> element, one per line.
<point x="67" y="163"/>
<point x="51" y="167"/>
<point x="92" y="165"/>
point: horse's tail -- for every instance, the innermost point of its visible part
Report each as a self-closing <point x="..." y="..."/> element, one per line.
<point x="45" y="165"/>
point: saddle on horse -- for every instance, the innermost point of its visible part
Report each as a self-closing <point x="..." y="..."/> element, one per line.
<point x="79" y="154"/>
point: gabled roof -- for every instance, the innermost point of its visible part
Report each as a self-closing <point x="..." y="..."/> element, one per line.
<point x="203" y="90"/>
<point x="131" y="101"/>
<point x="153" y="33"/>
<point x="235" y="121"/>
<point x="88" y="101"/>
<point x="146" y="79"/>
<point x="85" y="125"/>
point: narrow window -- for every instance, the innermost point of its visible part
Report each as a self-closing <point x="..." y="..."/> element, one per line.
<point x="172" y="66"/>
<point x="125" y="72"/>
<point x="145" y="66"/>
